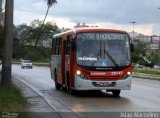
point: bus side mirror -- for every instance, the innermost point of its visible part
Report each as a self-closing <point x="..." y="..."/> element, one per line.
<point x="73" y="45"/>
<point x="132" y="47"/>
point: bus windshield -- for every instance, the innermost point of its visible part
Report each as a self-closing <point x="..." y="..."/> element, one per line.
<point x="103" y="49"/>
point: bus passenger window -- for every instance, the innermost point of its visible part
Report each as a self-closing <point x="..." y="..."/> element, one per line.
<point x="68" y="46"/>
<point x="60" y="46"/>
<point x="54" y="46"/>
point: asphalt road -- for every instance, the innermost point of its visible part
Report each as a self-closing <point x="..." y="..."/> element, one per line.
<point x="143" y="97"/>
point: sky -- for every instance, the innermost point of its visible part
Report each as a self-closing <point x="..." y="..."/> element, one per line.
<point x="114" y="14"/>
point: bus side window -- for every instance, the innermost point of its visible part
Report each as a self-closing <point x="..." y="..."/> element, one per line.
<point x="60" y="45"/>
<point x="52" y="50"/>
<point x="68" y="45"/>
<point x="54" y="46"/>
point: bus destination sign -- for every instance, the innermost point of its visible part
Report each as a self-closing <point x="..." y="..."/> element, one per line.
<point x="101" y="36"/>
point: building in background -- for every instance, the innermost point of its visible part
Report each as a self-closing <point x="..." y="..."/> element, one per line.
<point x="155" y="42"/>
<point x="140" y="38"/>
<point x="79" y="25"/>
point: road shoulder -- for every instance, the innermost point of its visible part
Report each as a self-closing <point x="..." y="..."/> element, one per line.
<point x="36" y="105"/>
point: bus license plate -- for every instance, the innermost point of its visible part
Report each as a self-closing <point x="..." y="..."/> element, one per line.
<point x="104" y="84"/>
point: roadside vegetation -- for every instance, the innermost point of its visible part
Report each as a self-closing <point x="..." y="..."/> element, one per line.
<point x="25" y="38"/>
<point x="142" y="55"/>
<point x="147" y="71"/>
<point x="11" y="100"/>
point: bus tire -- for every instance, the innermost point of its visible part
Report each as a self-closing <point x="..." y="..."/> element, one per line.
<point x="57" y="85"/>
<point x="64" y="88"/>
<point x="72" y="91"/>
<point x="68" y="81"/>
<point x="116" y="93"/>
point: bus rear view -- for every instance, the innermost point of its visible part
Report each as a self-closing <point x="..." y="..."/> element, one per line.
<point x="100" y="60"/>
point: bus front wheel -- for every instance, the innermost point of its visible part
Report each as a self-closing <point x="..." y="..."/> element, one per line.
<point x="72" y="91"/>
<point x="116" y="93"/>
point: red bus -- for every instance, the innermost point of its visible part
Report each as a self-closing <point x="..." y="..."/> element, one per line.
<point x="92" y="59"/>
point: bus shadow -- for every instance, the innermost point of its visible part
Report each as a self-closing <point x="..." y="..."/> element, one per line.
<point x="84" y="94"/>
<point x="91" y="93"/>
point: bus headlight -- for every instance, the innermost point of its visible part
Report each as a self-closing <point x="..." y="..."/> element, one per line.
<point x="79" y="73"/>
<point x="127" y="75"/>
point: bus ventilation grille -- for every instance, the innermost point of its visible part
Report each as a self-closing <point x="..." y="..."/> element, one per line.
<point x="104" y="77"/>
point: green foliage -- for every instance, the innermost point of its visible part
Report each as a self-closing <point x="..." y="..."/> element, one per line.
<point x="25" y="38"/>
<point x="147" y="71"/>
<point x="140" y="55"/>
<point x="51" y="2"/>
<point x="138" y="50"/>
<point x="156" y="58"/>
<point x="39" y="54"/>
<point x="27" y="35"/>
<point x="11" y="100"/>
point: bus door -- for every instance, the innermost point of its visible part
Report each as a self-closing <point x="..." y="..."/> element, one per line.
<point x="63" y="60"/>
<point x="67" y="48"/>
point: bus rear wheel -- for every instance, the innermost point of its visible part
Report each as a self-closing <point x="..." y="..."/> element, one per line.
<point x="116" y="93"/>
<point x="72" y="91"/>
<point x="57" y="85"/>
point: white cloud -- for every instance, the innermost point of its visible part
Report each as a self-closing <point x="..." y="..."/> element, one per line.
<point x="105" y="13"/>
<point x="21" y="16"/>
<point x="62" y="22"/>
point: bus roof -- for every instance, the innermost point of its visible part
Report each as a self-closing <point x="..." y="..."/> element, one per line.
<point x="88" y="29"/>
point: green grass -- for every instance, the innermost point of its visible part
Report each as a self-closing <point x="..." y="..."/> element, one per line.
<point x="147" y="71"/>
<point x="34" y="63"/>
<point x="41" y="64"/>
<point x="11" y="100"/>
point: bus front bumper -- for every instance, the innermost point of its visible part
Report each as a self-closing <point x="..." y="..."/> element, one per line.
<point x="82" y="84"/>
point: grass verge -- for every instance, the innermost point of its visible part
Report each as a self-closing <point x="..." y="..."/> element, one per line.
<point x="11" y="100"/>
<point x="147" y="71"/>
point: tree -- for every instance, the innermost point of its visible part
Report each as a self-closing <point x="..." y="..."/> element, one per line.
<point x="21" y="35"/>
<point x="25" y="37"/>
<point x="8" y="44"/>
<point x="49" y="4"/>
<point x="156" y="57"/>
<point x="141" y="55"/>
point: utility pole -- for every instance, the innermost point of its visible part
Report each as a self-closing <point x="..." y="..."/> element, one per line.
<point x="0" y="12"/>
<point x="133" y="23"/>
<point x="8" y="44"/>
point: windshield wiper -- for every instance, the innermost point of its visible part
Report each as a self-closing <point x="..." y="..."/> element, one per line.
<point x="111" y="58"/>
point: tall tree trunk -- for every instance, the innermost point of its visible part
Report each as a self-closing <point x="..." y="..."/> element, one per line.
<point x="41" y="29"/>
<point x="8" y="45"/>
<point x="1" y="12"/>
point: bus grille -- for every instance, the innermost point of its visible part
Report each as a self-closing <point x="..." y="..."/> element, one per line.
<point x="103" y="78"/>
